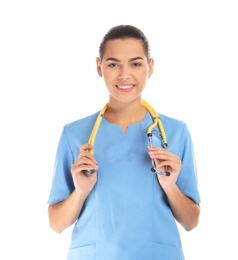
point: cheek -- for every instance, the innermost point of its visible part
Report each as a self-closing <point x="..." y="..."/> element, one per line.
<point x="142" y="76"/>
<point x="109" y="74"/>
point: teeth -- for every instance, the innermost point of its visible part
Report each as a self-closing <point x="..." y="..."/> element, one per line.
<point x="124" y="87"/>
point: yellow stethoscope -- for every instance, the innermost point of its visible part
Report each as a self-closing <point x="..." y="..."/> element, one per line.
<point x="157" y="121"/>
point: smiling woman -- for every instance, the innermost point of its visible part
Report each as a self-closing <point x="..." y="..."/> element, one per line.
<point x="127" y="70"/>
<point x="103" y="183"/>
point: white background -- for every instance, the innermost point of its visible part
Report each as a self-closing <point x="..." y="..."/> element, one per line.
<point x="48" y="78"/>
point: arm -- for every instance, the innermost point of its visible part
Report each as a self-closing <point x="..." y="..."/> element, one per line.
<point x="185" y="210"/>
<point x="65" y="213"/>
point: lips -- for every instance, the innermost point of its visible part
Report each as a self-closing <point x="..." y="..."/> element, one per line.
<point x="125" y="87"/>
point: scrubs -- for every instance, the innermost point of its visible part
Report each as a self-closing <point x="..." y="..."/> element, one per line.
<point x="127" y="215"/>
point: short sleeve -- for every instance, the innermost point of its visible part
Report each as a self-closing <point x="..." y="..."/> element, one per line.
<point x="62" y="182"/>
<point x="188" y="180"/>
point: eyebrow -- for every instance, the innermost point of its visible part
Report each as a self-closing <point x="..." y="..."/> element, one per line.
<point x="132" y="59"/>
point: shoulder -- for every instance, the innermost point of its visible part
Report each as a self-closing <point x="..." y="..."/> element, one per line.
<point x="81" y="124"/>
<point x="175" y="129"/>
<point x="172" y="122"/>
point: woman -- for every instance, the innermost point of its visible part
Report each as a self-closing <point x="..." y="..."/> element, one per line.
<point x="119" y="207"/>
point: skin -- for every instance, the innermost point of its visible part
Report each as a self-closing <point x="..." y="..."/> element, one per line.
<point x="125" y="70"/>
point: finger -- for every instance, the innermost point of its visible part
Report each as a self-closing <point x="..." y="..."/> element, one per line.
<point x="76" y="169"/>
<point x="85" y="158"/>
<point x="84" y="152"/>
<point x="84" y="167"/>
<point x="163" y="154"/>
<point x="174" y="165"/>
<point x="86" y="147"/>
<point x="159" y="155"/>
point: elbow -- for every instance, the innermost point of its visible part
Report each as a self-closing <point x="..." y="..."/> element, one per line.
<point x="191" y="226"/>
<point x="56" y="228"/>
<point x="53" y="223"/>
<point x="194" y="221"/>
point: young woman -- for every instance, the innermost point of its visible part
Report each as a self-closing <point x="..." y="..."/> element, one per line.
<point x="125" y="187"/>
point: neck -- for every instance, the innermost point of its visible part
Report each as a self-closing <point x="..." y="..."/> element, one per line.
<point x="125" y="114"/>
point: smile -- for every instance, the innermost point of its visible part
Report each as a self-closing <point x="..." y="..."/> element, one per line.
<point x="125" y="87"/>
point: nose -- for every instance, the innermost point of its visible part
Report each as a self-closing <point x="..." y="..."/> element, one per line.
<point x="124" y="73"/>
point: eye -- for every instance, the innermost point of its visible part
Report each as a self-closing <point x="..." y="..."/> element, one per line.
<point x="136" y="64"/>
<point x="113" y="65"/>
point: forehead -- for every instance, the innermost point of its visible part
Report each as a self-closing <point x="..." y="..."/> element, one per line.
<point x="124" y="48"/>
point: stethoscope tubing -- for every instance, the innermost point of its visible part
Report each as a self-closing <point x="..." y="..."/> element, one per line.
<point x="156" y="122"/>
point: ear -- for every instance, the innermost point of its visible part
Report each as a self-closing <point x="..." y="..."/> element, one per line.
<point x="99" y="70"/>
<point x="151" y="67"/>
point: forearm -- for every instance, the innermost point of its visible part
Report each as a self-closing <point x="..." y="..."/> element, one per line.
<point x="185" y="210"/>
<point x="65" y="213"/>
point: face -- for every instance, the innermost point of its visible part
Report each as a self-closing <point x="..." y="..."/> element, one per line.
<point x="125" y="69"/>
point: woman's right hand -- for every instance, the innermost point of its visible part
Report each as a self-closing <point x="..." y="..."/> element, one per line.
<point x="85" y="161"/>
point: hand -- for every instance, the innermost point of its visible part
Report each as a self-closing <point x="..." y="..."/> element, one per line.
<point x="85" y="161"/>
<point x="166" y="162"/>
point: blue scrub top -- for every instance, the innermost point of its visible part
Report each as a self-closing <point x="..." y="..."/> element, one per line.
<point x="127" y="215"/>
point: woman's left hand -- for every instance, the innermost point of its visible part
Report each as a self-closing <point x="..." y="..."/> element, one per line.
<point x="166" y="161"/>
